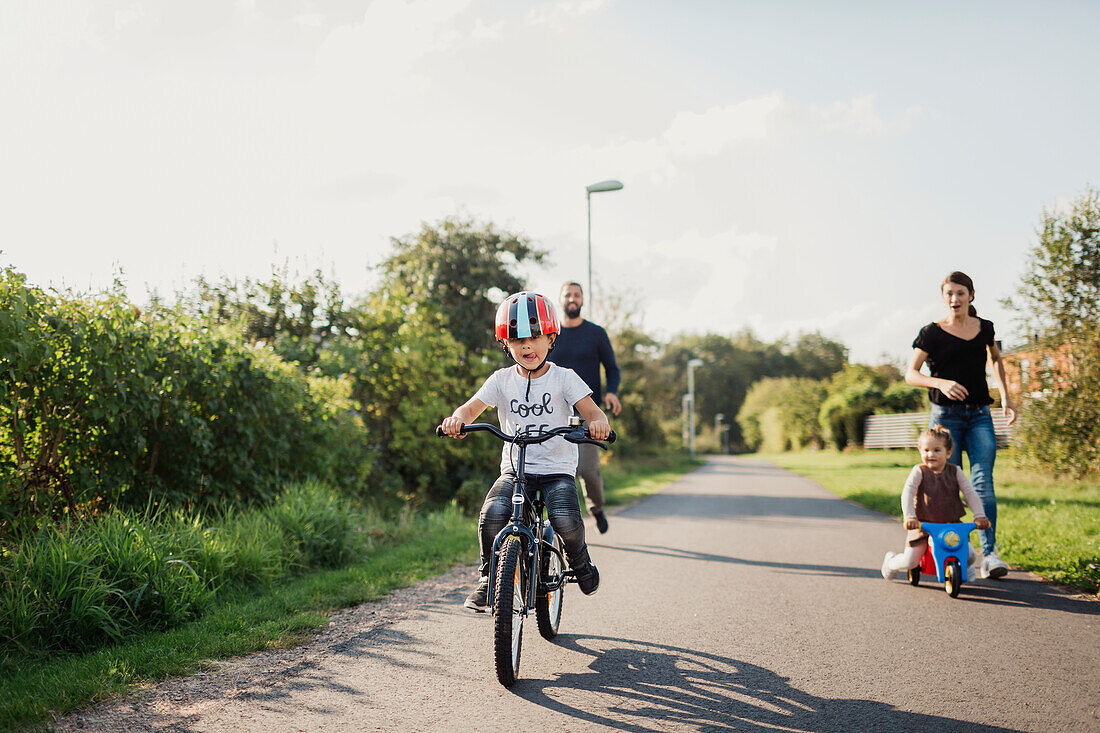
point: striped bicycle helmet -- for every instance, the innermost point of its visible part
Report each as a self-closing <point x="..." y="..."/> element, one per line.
<point x="526" y="314"/>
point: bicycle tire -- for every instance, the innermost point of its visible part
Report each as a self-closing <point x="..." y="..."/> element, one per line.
<point x="548" y="605"/>
<point x="508" y="604"/>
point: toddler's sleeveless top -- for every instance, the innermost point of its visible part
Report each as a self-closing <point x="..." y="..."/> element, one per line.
<point x="937" y="499"/>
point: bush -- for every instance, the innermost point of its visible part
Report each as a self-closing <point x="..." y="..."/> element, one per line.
<point x="855" y="393"/>
<point x="1060" y="427"/>
<point x="103" y="406"/>
<point x="77" y="588"/>
<point x="1058" y="299"/>
<point x="781" y="414"/>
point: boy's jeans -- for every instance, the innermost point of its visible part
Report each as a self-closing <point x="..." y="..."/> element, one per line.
<point x="971" y="428"/>
<point x="563" y="509"/>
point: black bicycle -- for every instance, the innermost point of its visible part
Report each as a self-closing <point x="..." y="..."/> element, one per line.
<point x="527" y="548"/>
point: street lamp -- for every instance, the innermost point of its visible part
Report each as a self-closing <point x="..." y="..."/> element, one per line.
<point x="602" y="186"/>
<point x="692" y="364"/>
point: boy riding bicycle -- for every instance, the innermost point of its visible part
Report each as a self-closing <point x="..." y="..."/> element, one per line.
<point x="532" y="396"/>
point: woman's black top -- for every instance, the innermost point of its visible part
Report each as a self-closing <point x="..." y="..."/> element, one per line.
<point x="962" y="361"/>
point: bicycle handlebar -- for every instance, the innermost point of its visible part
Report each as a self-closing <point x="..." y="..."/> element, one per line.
<point x="578" y="434"/>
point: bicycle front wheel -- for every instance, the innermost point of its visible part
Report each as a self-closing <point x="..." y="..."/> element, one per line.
<point x="509" y="604"/>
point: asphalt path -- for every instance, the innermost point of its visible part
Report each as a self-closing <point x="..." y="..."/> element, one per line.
<point x="741" y="598"/>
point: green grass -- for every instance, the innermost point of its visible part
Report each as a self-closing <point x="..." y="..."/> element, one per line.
<point x="261" y="614"/>
<point x="1048" y="526"/>
<point x="33" y="688"/>
<point x="636" y="478"/>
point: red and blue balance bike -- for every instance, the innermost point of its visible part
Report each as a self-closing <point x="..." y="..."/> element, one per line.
<point x="946" y="555"/>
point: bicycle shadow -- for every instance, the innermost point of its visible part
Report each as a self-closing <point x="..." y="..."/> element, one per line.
<point x="643" y="686"/>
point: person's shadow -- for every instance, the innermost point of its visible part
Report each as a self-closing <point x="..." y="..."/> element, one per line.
<point x="642" y="686"/>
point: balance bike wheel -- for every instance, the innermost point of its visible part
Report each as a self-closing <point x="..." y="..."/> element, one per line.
<point x="952" y="578"/>
<point x="914" y="576"/>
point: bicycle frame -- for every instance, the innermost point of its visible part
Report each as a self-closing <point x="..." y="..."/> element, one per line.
<point x="529" y="522"/>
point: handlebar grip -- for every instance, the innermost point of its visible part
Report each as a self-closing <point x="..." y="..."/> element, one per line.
<point x="439" y="432"/>
<point x="611" y="438"/>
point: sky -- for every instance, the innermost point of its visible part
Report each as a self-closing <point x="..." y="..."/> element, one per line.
<point x="787" y="166"/>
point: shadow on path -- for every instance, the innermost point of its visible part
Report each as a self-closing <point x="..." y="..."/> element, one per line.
<point x="676" y="552"/>
<point x="1016" y="590"/>
<point x="1019" y="590"/>
<point x="698" y="505"/>
<point x="642" y="686"/>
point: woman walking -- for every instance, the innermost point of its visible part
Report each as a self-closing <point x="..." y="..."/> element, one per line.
<point x="957" y="348"/>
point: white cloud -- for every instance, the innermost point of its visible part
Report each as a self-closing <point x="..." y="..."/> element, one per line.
<point x="563" y="11"/>
<point x="719" y="128"/>
<point x="392" y="34"/>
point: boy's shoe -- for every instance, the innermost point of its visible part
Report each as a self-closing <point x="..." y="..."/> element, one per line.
<point x="993" y="566"/>
<point x="588" y="578"/>
<point x="479" y="599"/>
<point x="601" y="520"/>
<point x="887" y="573"/>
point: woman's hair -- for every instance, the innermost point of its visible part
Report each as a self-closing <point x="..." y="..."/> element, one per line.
<point x="961" y="278"/>
<point x="938" y="432"/>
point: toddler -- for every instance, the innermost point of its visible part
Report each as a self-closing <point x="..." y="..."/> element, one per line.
<point x="931" y="494"/>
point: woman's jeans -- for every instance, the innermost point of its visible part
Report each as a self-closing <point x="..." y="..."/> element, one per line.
<point x="562" y="507"/>
<point x="971" y="428"/>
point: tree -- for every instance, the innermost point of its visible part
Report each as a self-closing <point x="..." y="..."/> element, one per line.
<point x="781" y="414"/>
<point x="1058" y="303"/>
<point x="853" y="394"/>
<point x="649" y="399"/>
<point x="1059" y="292"/>
<point x="463" y="270"/>
<point x="296" y="317"/>
<point x="818" y="357"/>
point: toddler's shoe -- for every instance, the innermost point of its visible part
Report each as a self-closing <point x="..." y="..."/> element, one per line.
<point x="993" y="566"/>
<point x="588" y="578"/>
<point x="479" y="600"/>
<point x="974" y="569"/>
<point x="887" y="573"/>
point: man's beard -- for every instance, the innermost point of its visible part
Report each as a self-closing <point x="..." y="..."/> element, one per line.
<point x="572" y="310"/>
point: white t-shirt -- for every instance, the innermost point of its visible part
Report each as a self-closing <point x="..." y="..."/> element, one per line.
<point x="552" y="397"/>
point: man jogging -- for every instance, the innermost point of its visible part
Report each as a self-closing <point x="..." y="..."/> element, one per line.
<point x="583" y="346"/>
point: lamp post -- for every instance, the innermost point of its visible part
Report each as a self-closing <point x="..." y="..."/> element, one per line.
<point x="691" y="365"/>
<point x="602" y="186"/>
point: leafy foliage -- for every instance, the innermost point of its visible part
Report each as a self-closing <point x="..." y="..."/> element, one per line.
<point x="80" y="587"/>
<point x="463" y="271"/>
<point x="791" y="413"/>
<point x="297" y="319"/>
<point x="105" y="406"/>
<point x="1058" y="301"/>
<point x="731" y="366"/>
<point x="1059" y="291"/>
